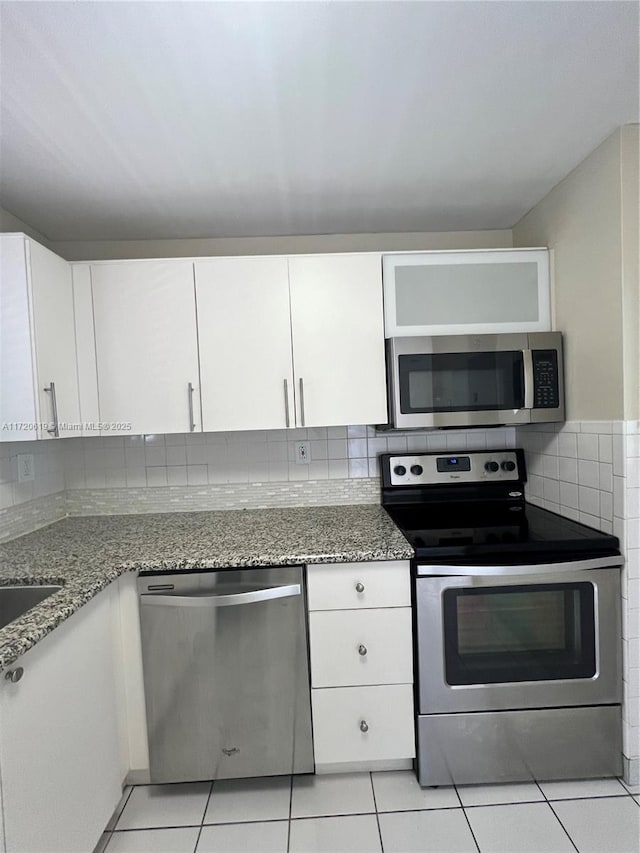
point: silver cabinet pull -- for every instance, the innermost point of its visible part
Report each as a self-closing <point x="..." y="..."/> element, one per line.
<point x="301" y="402"/>
<point x="51" y="389"/>
<point x="195" y="600"/>
<point x="14" y="675"/>
<point x="362" y="650"/>
<point x="359" y="587"/>
<point x="192" y="425"/>
<point x="286" y="403"/>
<point x="364" y="727"/>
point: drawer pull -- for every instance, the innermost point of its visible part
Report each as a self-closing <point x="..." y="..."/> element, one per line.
<point x="362" y="650"/>
<point x="359" y="587"/>
<point x="14" y="675"/>
<point x="364" y="727"/>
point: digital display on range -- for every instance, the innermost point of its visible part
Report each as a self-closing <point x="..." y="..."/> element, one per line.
<point x="453" y="463"/>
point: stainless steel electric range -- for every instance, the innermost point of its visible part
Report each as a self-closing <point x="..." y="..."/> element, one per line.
<point x="516" y="620"/>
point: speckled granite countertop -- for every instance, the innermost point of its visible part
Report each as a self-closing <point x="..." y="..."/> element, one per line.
<point x="85" y="554"/>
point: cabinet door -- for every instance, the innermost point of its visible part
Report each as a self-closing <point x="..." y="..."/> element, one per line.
<point x="354" y="586"/>
<point x="55" y="341"/>
<point x="17" y="390"/>
<point x="338" y="339"/>
<point x="461" y="293"/>
<point x="362" y="724"/>
<point x="59" y="753"/>
<point x="357" y="647"/>
<point x="244" y="336"/>
<point x="85" y="349"/>
<point x="146" y="345"/>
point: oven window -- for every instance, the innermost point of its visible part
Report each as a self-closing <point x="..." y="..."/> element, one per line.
<point x="461" y="382"/>
<point x="540" y="632"/>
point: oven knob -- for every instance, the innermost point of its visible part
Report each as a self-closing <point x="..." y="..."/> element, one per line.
<point x="416" y="469"/>
<point x="400" y="470"/>
<point x="491" y="467"/>
<point x="508" y="465"/>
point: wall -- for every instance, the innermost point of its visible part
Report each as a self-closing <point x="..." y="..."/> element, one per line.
<point x="156" y="473"/>
<point x="630" y="181"/>
<point x="25" y="506"/>
<point x="9" y="223"/>
<point x="590" y="471"/>
<point x="318" y="243"/>
<point x="589" y="468"/>
<point x="581" y="219"/>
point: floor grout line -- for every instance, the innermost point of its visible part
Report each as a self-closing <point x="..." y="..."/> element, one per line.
<point x="466" y="817"/>
<point x="566" y="831"/>
<point x="375" y="806"/>
<point x="290" y="808"/>
<point x="204" y="814"/>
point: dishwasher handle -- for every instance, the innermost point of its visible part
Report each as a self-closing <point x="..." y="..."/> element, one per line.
<point x="196" y="600"/>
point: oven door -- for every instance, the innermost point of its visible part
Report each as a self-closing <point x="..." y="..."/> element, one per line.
<point x="548" y="636"/>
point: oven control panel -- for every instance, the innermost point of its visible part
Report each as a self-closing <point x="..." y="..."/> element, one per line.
<point x="474" y="466"/>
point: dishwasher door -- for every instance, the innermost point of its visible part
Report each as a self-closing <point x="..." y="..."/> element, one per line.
<point x="226" y="673"/>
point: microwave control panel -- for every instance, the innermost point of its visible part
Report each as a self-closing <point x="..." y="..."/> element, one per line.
<point x="546" y="390"/>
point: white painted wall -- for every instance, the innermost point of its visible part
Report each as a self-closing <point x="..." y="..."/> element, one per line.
<point x="590" y="222"/>
<point x="630" y="181"/>
<point x="10" y="223"/>
<point x="310" y="244"/>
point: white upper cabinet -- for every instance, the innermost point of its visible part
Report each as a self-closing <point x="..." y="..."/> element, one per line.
<point x="38" y="370"/>
<point x="338" y="339"/>
<point x="244" y="334"/>
<point x="450" y="293"/>
<point x="146" y="346"/>
<point x="290" y="342"/>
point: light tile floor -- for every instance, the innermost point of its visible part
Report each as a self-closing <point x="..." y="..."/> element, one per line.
<point x="374" y="813"/>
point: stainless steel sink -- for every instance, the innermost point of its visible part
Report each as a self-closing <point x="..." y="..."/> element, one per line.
<point x="16" y="600"/>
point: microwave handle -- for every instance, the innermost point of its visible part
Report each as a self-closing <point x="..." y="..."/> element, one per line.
<point x="527" y="361"/>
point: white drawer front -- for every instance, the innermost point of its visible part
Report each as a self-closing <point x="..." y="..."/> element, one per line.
<point x="350" y="586"/>
<point x="341" y="714"/>
<point x="349" y="647"/>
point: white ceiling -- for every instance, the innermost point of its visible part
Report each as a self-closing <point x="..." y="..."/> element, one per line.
<point x="143" y="120"/>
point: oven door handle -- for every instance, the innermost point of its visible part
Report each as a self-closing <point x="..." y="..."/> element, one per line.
<point x="536" y="569"/>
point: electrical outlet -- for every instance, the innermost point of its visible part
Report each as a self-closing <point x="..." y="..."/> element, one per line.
<point x="302" y="453"/>
<point x="25" y="467"/>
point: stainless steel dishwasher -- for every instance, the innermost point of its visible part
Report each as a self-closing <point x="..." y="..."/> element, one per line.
<point x="226" y="673"/>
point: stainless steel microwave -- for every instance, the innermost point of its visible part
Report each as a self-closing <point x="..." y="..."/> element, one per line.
<point x="475" y="380"/>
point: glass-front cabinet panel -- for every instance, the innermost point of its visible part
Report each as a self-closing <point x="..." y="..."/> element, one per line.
<point x="505" y="634"/>
<point x="485" y="292"/>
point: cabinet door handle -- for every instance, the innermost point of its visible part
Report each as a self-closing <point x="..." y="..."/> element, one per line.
<point x="286" y="403"/>
<point x="192" y="425"/>
<point x="362" y="650"/>
<point x="51" y="389"/>
<point x="14" y="675"/>
<point x="359" y="587"/>
<point x="364" y="726"/>
<point x="301" y="402"/>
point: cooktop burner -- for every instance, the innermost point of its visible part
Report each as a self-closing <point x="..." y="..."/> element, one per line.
<point x="471" y="505"/>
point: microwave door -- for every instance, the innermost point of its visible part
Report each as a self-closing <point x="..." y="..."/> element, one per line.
<point x="459" y="388"/>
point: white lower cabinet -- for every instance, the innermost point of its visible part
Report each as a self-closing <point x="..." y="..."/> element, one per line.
<point x="60" y="757"/>
<point x="360" y="647"/>
<point x="356" y="725"/>
<point x="360" y="638"/>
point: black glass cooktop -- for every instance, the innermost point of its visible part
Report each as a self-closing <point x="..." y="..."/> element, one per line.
<point x="491" y="530"/>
